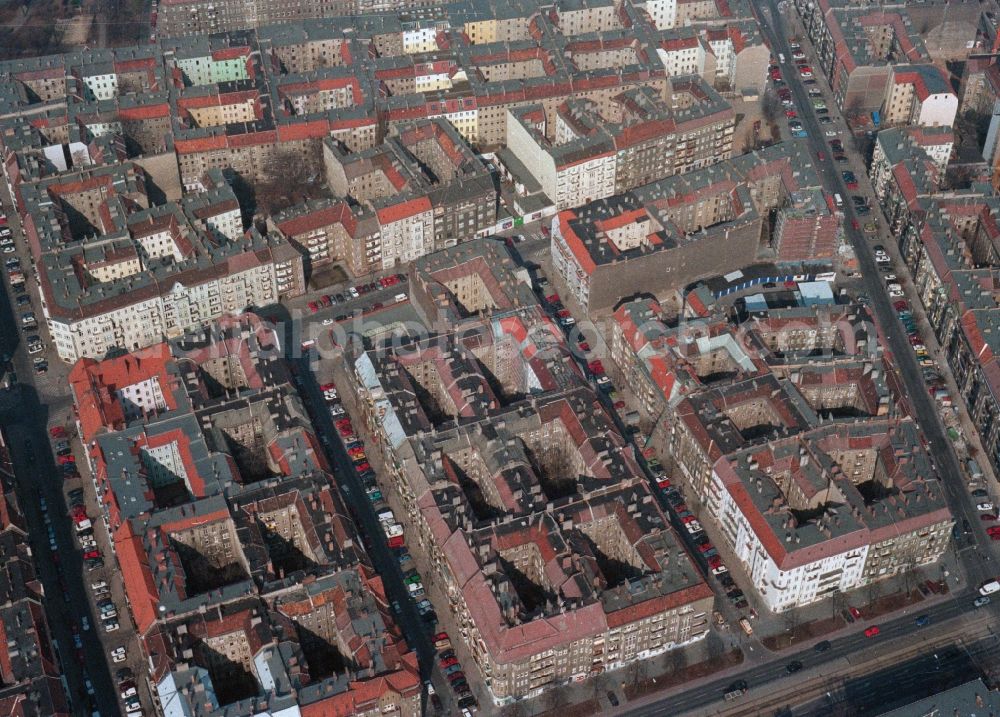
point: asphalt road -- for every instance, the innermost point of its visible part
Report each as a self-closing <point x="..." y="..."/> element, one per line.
<point x="758" y="678"/>
<point x="61" y="572"/>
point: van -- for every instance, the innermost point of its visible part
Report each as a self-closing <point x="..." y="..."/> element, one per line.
<point x="838" y="200"/>
<point x="400" y="298"/>
<point x="745" y="624"/>
<point x="989" y="587"/>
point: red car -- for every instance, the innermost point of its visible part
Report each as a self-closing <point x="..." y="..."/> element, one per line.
<point x="871" y="631"/>
<point x="313" y="306"/>
<point x="993" y="530"/>
<point x="57" y="432"/>
<point x="705" y="548"/>
<point x="584" y="346"/>
<point x="563" y="314"/>
<point x="595" y="366"/>
<point x="821" y="155"/>
<point x="714" y="562"/>
<point x="91" y="554"/>
<point x="791" y="114"/>
<point x="855" y="613"/>
<point x="397" y="542"/>
<point x="441" y="636"/>
<point x="327" y="386"/>
<point x="855" y="225"/>
<point x="901" y="306"/>
<point x="456" y="676"/>
<point x="619" y="405"/>
<point x="359" y="451"/>
<point x="663" y="483"/>
<point x="362" y="467"/>
<point x="63" y="460"/>
<point x="688" y="519"/>
<point x="449" y="662"/>
<point x="552" y="298"/>
<point x="987" y="517"/>
<point x="324" y="300"/>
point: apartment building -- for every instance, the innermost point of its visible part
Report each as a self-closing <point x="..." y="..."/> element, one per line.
<point x="857" y="48"/>
<point x="560" y="529"/>
<point x="115" y="272"/>
<point x="791" y="437"/>
<point x="424" y="186"/>
<point x="246" y="578"/>
<point x="904" y="161"/>
<point x="664" y="235"/>
<point x="640" y="138"/>
<point x="843" y="506"/>
<point x="919" y="95"/>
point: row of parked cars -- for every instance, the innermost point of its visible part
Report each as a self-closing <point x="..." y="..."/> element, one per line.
<point x="354" y="292"/>
<point x="395" y="538"/>
<point x="451" y="668"/>
<point x="694" y="529"/>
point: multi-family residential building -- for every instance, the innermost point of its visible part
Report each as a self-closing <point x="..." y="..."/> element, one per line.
<point x="918" y="95"/>
<point x="518" y="490"/>
<point x="639" y="139"/>
<point x="426" y="189"/>
<point x="246" y="578"/>
<point x="857" y="47"/>
<point x="788" y="433"/>
<point x="905" y="159"/>
<point x="664" y="235"/>
<point x="116" y="272"/>
<point x="840" y="507"/>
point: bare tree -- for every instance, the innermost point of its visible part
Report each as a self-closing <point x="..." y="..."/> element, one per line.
<point x="769" y="106"/>
<point x="515" y="709"/>
<point x="555" y="697"/>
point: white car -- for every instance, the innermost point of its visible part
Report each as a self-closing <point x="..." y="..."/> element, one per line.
<point x="896" y="294"/>
<point x="984" y="506"/>
<point x="832" y="133"/>
<point x="111" y="626"/>
<point x="719" y="570"/>
<point x="85" y="622"/>
<point x="328" y="322"/>
<point x="353" y="292"/>
<point x="118" y="655"/>
<point x="894" y="287"/>
<point x="9" y="249"/>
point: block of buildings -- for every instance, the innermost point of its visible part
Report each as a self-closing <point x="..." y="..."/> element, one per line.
<point x="664" y="235"/>
<point x="525" y="500"/>
<point x="857" y="48"/>
<point x="425" y="187"/>
<point x="640" y="138"/>
<point x="246" y="578"/>
<point x="117" y="273"/>
<point x="793" y="440"/>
